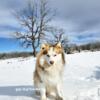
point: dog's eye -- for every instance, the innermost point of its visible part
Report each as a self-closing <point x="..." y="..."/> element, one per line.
<point x="55" y="55"/>
<point x="48" y="55"/>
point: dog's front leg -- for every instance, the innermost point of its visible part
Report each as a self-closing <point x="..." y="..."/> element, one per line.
<point x="43" y="93"/>
<point x="59" y="92"/>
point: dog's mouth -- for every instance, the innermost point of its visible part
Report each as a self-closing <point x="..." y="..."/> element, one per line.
<point x="48" y="65"/>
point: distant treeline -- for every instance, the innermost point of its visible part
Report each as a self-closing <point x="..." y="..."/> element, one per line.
<point x="72" y="48"/>
<point x="78" y="48"/>
<point x="15" y="55"/>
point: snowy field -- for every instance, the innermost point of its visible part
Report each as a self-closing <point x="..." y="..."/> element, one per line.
<point x="81" y="77"/>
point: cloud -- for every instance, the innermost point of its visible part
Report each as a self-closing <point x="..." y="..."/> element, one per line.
<point x="79" y="18"/>
<point x="11" y="4"/>
<point x="8" y="23"/>
<point x="84" y="14"/>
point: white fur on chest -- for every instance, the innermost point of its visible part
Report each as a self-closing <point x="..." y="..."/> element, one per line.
<point x="52" y="75"/>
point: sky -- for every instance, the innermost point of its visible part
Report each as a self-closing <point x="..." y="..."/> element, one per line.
<point x="8" y="45"/>
<point x="79" y="18"/>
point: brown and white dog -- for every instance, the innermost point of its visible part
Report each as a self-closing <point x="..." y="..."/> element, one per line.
<point x="49" y="70"/>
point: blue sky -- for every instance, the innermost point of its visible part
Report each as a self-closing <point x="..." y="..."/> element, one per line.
<point x="79" y="18"/>
<point x="11" y="45"/>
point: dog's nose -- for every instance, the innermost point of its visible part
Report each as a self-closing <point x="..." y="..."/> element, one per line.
<point x="51" y="62"/>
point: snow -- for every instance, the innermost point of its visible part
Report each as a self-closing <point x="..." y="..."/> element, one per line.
<point x="81" y="77"/>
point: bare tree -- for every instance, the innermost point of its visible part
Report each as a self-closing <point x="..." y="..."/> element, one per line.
<point x="61" y="37"/>
<point x="57" y="35"/>
<point x="34" y="20"/>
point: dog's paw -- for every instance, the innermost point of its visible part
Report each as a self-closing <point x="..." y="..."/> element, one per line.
<point x="59" y="98"/>
<point x="43" y="98"/>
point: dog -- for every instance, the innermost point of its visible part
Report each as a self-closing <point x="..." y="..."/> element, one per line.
<point x="49" y="71"/>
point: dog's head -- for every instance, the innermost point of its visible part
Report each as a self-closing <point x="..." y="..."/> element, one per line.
<point x="52" y="53"/>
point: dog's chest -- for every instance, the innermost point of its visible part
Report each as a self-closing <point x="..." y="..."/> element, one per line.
<point x="52" y="76"/>
<point x="50" y="79"/>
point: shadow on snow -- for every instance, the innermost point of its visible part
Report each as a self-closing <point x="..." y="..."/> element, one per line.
<point x="25" y="90"/>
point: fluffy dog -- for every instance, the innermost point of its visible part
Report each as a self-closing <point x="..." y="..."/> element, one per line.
<point x="49" y="71"/>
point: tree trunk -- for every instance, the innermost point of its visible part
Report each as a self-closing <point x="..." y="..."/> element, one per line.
<point x="34" y="50"/>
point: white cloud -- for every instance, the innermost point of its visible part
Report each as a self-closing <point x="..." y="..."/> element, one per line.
<point x="77" y="17"/>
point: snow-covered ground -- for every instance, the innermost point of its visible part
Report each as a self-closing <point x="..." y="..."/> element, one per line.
<point x="81" y="77"/>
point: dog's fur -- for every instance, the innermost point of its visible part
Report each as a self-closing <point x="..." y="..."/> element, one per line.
<point x="49" y="69"/>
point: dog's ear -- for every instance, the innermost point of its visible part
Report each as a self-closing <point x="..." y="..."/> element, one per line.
<point x="58" y="48"/>
<point x="58" y="45"/>
<point x="44" y="46"/>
